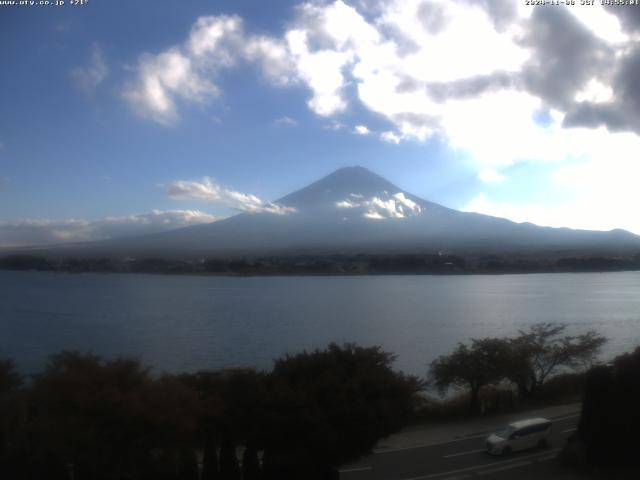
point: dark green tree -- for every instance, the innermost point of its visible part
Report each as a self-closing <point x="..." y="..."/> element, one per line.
<point x="10" y="379"/>
<point x="250" y="463"/>
<point x="233" y="402"/>
<point x="229" y="466"/>
<point x="210" y="469"/>
<point x="544" y="349"/>
<point x="331" y="406"/>
<point x="104" y="418"/>
<point x="11" y="418"/>
<point x="486" y="361"/>
<point x="610" y="418"/>
<point x="187" y="464"/>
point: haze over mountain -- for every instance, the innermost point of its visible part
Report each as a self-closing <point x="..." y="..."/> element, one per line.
<point x="353" y="210"/>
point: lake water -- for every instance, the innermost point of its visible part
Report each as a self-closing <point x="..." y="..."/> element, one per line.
<point x="186" y="323"/>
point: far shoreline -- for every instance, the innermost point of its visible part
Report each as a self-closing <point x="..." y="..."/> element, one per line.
<point x="321" y="274"/>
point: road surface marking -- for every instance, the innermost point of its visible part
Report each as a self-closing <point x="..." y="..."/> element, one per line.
<point x="568" y="430"/>
<point x="355" y="469"/>
<point x="566" y="417"/>
<point x="464" y="453"/>
<point x="548" y="457"/>
<point x="507" y="467"/>
<point x="476" y="467"/>
<point x="424" y="445"/>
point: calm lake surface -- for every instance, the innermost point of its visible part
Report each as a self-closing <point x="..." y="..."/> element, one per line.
<point x="187" y="323"/>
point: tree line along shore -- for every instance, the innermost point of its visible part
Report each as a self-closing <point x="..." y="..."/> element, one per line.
<point x="339" y="264"/>
<point x="84" y="417"/>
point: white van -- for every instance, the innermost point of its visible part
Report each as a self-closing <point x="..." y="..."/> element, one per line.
<point x="520" y="435"/>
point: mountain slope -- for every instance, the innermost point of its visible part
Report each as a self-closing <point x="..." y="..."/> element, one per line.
<point x="354" y="210"/>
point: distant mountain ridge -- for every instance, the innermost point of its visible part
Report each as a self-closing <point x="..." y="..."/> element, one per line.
<point x="354" y="210"/>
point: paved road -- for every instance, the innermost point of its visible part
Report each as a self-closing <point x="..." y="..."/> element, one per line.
<point x="459" y="459"/>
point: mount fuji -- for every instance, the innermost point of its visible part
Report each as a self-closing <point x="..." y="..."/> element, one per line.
<point x="354" y="210"/>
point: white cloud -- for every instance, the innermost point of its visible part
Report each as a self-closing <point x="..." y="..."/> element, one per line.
<point x="185" y="72"/>
<point x="489" y="175"/>
<point x="209" y="191"/>
<point x="445" y="54"/>
<point x="215" y="40"/>
<point x="411" y="61"/>
<point x="361" y="130"/>
<point x="285" y="120"/>
<point x="88" y="78"/>
<point x="406" y="203"/>
<point x="543" y="215"/>
<point x="381" y="207"/>
<point x="321" y="71"/>
<point x="586" y="214"/>
<point x="595" y="91"/>
<point x="347" y="204"/>
<point x="273" y="58"/>
<point x="600" y="22"/>
<point x="474" y="74"/>
<point x="595" y="189"/>
<point x="45" y="231"/>
<point x="323" y="43"/>
<point x="335" y="125"/>
<point x="390" y="137"/>
<point x="162" y="79"/>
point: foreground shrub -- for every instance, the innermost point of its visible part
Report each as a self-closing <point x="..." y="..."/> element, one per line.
<point x="87" y="418"/>
<point x="337" y="403"/>
<point x="610" y="418"/>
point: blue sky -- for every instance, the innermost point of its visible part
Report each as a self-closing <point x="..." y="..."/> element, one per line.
<point x="106" y="106"/>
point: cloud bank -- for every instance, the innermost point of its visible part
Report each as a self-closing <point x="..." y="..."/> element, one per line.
<point x="415" y="62"/>
<point x="47" y="232"/>
<point x="208" y="190"/>
<point x="499" y="82"/>
<point x="187" y="73"/>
